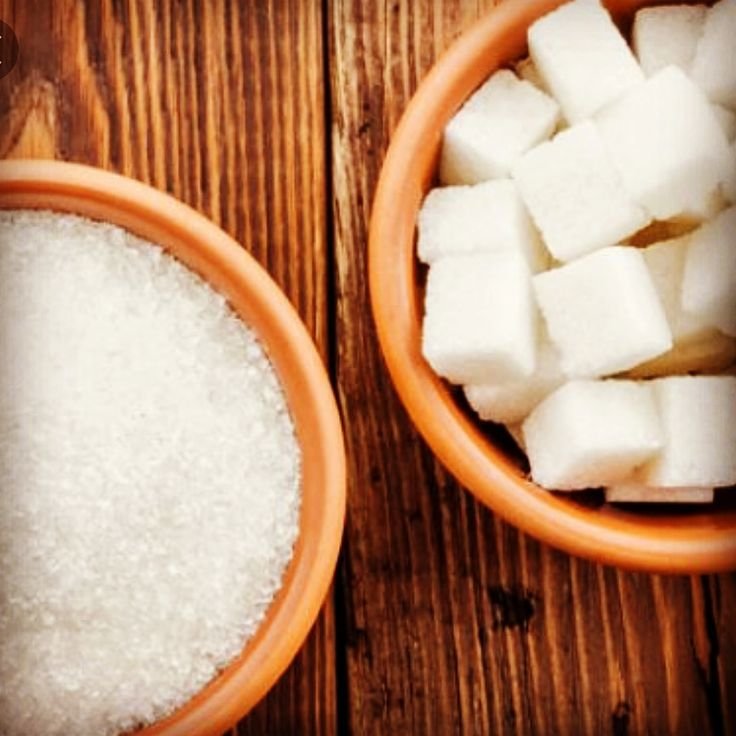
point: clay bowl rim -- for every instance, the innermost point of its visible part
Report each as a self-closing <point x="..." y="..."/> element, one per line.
<point x="698" y="542"/>
<point x="222" y="262"/>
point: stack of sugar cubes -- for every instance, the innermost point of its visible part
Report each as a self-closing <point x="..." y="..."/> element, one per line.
<point x="582" y="252"/>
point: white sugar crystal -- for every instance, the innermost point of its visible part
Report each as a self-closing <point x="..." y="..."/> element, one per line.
<point x="480" y="321"/>
<point x="488" y="217"/>
<point x="667" y="35"/>
<point x="666" y="142"/>
<point x="602" y="312"/>
<point x="582" y="58"/>
<point x="149" y="480"/>
<point x="575" y="194"/>
<point x="698" y="415"/>
<point x="638" y="493"/>
<point x="511" y="402"/>
<point x="714" y="65"/>
<point x="591" y="433"/>
<point x="498" y="123"/>
<point x="727" y="120"/>
<point x="709" y="279"/>
<point x="666" y="263"/>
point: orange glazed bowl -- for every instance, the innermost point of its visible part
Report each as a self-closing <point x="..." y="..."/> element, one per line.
<point x="480" y="456"/>
<point x="207" y="250"/>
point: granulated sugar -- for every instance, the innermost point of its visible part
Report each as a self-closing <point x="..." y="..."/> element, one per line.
<point x="149" y="479"/>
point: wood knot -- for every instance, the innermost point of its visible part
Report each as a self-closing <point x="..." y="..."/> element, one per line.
<point x="620" y="718"/>
<point x="512" y="606"/>
<point x="30" y="127"/>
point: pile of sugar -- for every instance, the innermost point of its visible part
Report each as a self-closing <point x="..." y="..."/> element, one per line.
<point x="149" y="479"/>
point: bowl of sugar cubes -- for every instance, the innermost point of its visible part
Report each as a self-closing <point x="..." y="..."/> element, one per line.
<point x="552" y="264"/>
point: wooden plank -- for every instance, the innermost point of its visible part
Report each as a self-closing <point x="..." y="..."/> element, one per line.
<point x="722" y="637"/>
<point x="454" y="622"/>
<point x="221" y="103"/>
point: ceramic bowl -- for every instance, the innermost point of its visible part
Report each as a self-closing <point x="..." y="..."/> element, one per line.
<point x="206" y="249"/>
<point x="673" y="540"/>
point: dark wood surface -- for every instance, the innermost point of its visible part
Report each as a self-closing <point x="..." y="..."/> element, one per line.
<point x="272" y="118"/>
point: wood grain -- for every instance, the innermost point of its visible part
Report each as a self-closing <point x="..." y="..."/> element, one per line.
<point x="221" y="104"/>
<point x="454" y="622"/>
<point x="272" y="118"/>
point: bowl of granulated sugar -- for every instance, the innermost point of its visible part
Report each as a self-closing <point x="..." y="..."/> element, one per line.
<point x="172" y="471"/>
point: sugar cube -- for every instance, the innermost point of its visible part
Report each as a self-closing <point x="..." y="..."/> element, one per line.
<point x="666" y="263"/>
<point x="591" y="433"/>
<point x="602" y="312"/>
<point x="480" y="320"/>
<point x="510" y="402"/>
<point x="714" y="65"/>
<point x="502" y="120"/>
<point x="698" y="415"/>
<point x="582" y="58"/>
<point x="667" y="35"/>
<point x="633" y="492"/>
<point x="485" y="217"/>
<point x="575" y="195"/>
<point x="666" y="142"/>
<point x="709" y="278"/>
<point x="708" y="353"/>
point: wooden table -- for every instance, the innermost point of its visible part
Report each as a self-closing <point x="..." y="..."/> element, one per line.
<point x="272" y="119"/>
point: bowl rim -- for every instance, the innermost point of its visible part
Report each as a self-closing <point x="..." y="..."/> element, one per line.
<point x="707" y="543"/>
<point x="89" y="191"/>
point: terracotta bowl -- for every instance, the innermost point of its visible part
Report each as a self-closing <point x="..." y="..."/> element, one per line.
<point x="676" y="541"/>
<point x="206" y="249"/>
